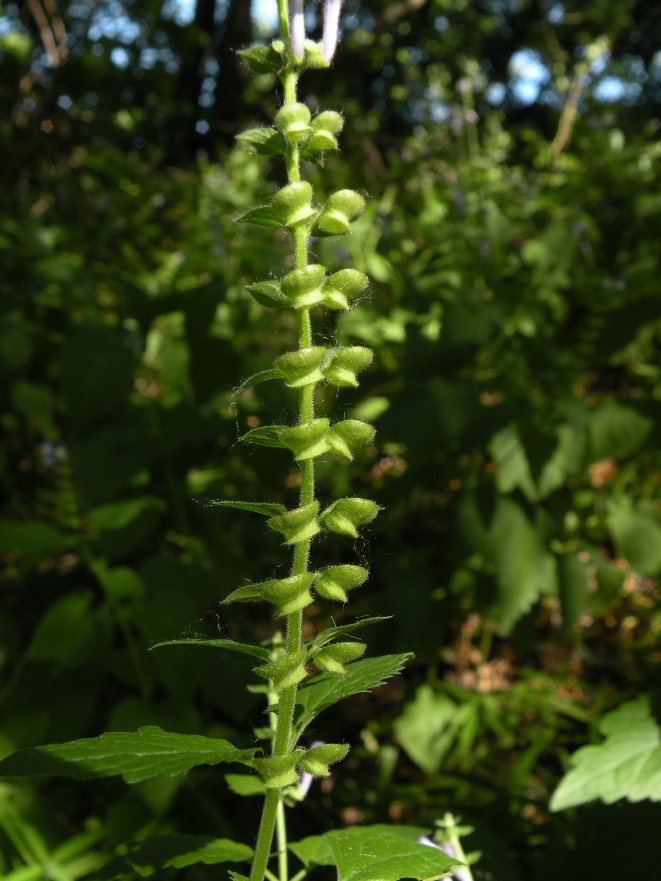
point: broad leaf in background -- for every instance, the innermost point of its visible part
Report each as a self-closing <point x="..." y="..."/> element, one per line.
<point x="119" y="515"/>
<point x="324" y="691"/>
<point x="636" y="532"/>
<point x="627" y="765"/>
<point x="136" y="756"/>
<point x="375" y="853"/>
<point x="421" y="727"/>
<point x="171" y="851"/>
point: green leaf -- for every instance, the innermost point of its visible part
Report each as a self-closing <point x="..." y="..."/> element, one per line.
<point x="260" y="216"/>
<point x="573" y="582"/>
<point x="262" y="376"/>
<point x="617" y="430"/>
<point x="171" y="851"/>
<point x="324" y="691"/>
<point x="245" y="784"/>
<point x="269" y="509"/>
<point x="137" y="756"/>
<point x="254" y="651"/>
<point x="636" y="532"/>
<point x="266" y="436"/>
<point x="119" y="515"/>
<point x="627" y="765"/>
<point x="422" y="728"/>
<point x="261" y="59"/>
<point x="265" y="141"/>
<point x="32" y="538"/>
<point x="376" y="853"/>
<point x="332" y="632"/>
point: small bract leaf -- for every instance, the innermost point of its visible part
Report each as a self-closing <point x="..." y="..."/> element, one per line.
<point x="293" y="120"/>
<point x="254" y="651"/>
<point x="332" y="658"/>
<point x="350" y="437"/>
<point x="260" y="216"/>
<point x="345" y="515"/>
<point x="265" y="141"/>
<point x="292" y="205"/>
<point x="288" y="594"/>
<point x="267" y="508"/>
<point x="266" y="436"/>
<point x="261" y="59"/>
<point x="306" y="441"/>
<point x="343" y="365"/>
<point x="302" y="367"/>
<point x="316" y="760"/>
<point x="278" y="771"/>
<point x="303" y="287"/>
<point x="297" y="525"/>
<point x="342" y="286"/>
<point x="268" y="293"/>
<point x="333" y="582"/>
<point x="286" y="671"/>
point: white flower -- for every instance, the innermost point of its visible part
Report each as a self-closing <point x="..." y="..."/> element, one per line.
<point x="331" y="22"/>
<point x="297" y="29"/>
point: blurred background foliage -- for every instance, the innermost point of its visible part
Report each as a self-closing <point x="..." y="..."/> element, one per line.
<point x="511" y="151"/>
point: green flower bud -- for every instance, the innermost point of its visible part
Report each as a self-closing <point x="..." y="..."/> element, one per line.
<point x="350" y="437"/>
<point x="292" y="205"/>
<point x="302" y="367"/>
<point x="297" y="525"/>
<point x="333" y="582"/>
<point x="316" y="760"/>
<point x="306" y="441"/>
<point x="346" y="515"/>
<point x="342" y="286"/>
<point x="344" y="364"/>
<point x="325" y="128"/>
<point x="341" y="209"/>
<point x="332" y="658"/>
<point x="303" y="287"/>
<point x="278" y="771"/>
<point x="288" y="594"/>
<point x="293" y="120"/>
<point x="286" y="671"/>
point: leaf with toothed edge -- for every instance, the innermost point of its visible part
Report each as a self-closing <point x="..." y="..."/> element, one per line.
<point x="332" y="632"/>
<point x="324" y="691"/>
<point x="254" y="651"/>
<point x="148" y="752"/>
<point x="268" y="509"/>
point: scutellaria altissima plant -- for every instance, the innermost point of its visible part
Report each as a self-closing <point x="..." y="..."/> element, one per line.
<point x="295" y="696"/>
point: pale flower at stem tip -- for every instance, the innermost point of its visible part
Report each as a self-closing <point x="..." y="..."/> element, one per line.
<point x="331" y="24"/>
<point x="297" y="29"/>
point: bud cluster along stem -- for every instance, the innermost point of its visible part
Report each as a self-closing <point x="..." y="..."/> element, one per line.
<point x="298" y="136"/>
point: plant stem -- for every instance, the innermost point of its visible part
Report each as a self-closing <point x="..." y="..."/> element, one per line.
<point x="281" y="834"/>
<point x="454" y="840"/>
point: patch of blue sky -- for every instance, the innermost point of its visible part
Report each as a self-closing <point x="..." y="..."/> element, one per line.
<point x="527" y="75"/>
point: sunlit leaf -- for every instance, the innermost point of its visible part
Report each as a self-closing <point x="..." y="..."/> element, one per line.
<point x="171" y="851"/>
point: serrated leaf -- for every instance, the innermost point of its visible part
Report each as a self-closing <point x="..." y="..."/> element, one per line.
<point x="333" y="632"/>
<point x="266" y="436"/>
<point x="254" y="651"/>
<point x="269" y="509"/>
<point x="376" y="853"/>
<point x="627" y="765"/>
<point x="260" y="216"/>
<point x="135" y="756"/>
<point x="171" y="851"/>
<point x="265" y="141"/>
<point x="324" y="691"/>
<point x="245" y="784"/>
<point x="261" y="59"/>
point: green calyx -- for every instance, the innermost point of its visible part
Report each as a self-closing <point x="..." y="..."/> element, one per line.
<point x="342" y="208"/>
<point x="333" y="582"/>
<point x="350" y="437"/>
<point x="341" y="287"/>
<point x="287" y="594"/>
<point x="332" y="658"/>
<point x="302" y="367"/>
<point x="278" y="771"/>
<point x="316" y="760"/>
<point x="304" y="287"/>
<point x="293" y="120"/>
<point x="292" y="205"/>
<point x="297" y="525"/>
<point x="345" y="515"/>
<point x="342" y="365"/>
<point x="286" y="671"/>
<point x="306" y="441"/>
<point x="325" y="129"/>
